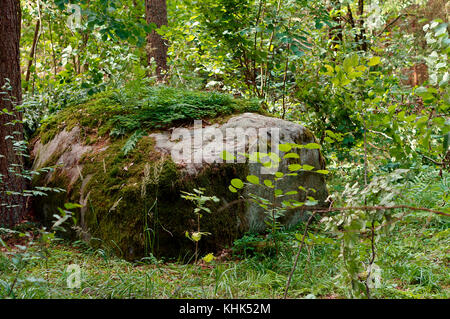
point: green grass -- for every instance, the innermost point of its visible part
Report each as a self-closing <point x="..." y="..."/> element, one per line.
<point x="414" y="264"/>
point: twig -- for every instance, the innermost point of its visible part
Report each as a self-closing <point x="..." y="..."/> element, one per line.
<point x="338" y="209"/>
<point x="393" y="22"/>
<point x="377" y="148"/>
<point x="381" y="133"/>
<point x="365" y="154"/>
<point x="372" y="259"/>
<point x="298" y="255"/>
<point x="431" y="160"/>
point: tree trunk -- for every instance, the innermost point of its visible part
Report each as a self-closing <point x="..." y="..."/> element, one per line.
<point x="156" y="12"/>
<point x="32" y="52"/>
<point x="335" y="33"/>
<point x="12" y="184"/>
<point x="362" y="36"/>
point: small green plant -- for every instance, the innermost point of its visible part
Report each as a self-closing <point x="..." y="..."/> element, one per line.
<point x="151" y="219"/>
<point x="280" y="201"/>
<point x="132" y="141"/>
<point x="359" y="227"/>
<point x="200" y="200"/>
<point x="34" y="247"/>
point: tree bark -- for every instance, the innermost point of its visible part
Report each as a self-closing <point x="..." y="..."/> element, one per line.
<point x="156" y="12"/>
<point x="12" y="184"/>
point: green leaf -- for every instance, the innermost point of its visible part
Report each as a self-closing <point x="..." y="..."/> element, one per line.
<point x="284" y="147"/>
<point x="208" y="258"/>
<point x="440" y="29"/>
<point x="196" y="236"/>
<point x="253" y="179"/>
<point x="322" y="171"/>
<point x="312" y="146"/>
<point x="410" y="118"/>
<point x="294" y="167"/>
<point x="350" y="62"/>
<point x="330" y="70"/>
<point x="268" y="183"/>
<point x="237" y="183"/>
<point x="345" y="81"/>
<point x="278" y="192"/>
<point x="374" y="61"/>
<point x="274" y="157"/>
<point x="72" y="206"/>
<point x="131" y="143"/>
<point x="425" y="94"/>
<point x="227" y="156"/>
<point x="232" y="189"/>
<point x="279" y="174"/>
<point x="286" y="203"/>
<point x="308" y="167"/>
<point x="361" y="68"/>
<point x="296" y="203"/>
<point x="267" y="164"/>
<point x="311" y="201"/>
<point x="291" y="155"/>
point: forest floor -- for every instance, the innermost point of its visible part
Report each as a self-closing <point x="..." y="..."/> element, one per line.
<point x="414" y="264"/>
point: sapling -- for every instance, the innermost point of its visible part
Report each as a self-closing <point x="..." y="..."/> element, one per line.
<point x="200" y="201"/>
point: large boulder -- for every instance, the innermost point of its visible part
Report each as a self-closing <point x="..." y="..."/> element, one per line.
<point x="132" y="202"/>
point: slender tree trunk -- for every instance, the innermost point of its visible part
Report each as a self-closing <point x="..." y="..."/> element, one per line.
<point x="156" y="12"/>
<point x="53" y="47"/>
<point x="335" y="33"/>
<point x="12" y="203"/>
<point x="362" y="36"/>
<point x="32" y="52"/>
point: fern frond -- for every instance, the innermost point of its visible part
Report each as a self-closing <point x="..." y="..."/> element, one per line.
<point x="130" y="144"/>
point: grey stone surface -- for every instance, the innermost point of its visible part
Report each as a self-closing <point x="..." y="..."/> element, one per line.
<point x="288" y="132"/>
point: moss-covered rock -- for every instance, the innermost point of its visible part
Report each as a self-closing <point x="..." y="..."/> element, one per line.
<point x="132" y="202"/>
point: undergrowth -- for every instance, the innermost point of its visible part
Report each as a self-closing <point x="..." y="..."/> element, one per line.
<point x="413" y="260"/>
<point x="414" y="264"/>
